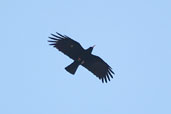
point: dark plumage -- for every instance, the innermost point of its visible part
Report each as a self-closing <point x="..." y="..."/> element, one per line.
<point x="82" y="57"/>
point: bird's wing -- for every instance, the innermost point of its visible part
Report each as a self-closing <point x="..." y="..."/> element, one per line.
<point x="99" y="68"/>
<point x="66" y="45"/>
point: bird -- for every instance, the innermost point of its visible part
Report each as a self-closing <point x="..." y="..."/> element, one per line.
<point x="81" y="56"/>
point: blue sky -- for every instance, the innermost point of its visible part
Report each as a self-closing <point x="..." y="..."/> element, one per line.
<point x="133" y="37"/>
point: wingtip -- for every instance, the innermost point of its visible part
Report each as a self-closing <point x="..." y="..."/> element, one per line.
<point x="107" y="75"/>
<point x="102" y="80"/>
<point x="53" y="38"/>
<point x="110" y="69"/>
<point x="59" y="34"/>
<point x="105" y="79"/>
<point x="51" y="41"/>
<point x="55" y="35"/>
<point x="52" y="44"/>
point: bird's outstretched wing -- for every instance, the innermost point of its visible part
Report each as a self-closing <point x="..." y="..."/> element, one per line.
<point x="66" y="45"/>
<point x="99" y="68"/>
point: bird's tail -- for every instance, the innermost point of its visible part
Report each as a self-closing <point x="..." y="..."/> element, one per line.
<point x="72" y="67"/>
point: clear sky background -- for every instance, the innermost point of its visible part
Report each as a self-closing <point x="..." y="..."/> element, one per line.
<point x="132" y="36"/>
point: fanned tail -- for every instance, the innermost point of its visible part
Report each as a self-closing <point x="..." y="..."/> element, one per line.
<point x="72" y="67"/>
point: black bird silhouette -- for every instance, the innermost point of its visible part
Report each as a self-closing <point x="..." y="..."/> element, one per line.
<point x="81" y="56"/>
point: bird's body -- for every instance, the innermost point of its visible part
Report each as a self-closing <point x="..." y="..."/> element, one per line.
<point x="81" y="57"/>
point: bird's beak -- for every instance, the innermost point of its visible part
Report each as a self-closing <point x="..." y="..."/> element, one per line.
<point x="93" y="46"/>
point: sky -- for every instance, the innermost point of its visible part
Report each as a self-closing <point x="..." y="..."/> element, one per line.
<point x="133" y="37"/>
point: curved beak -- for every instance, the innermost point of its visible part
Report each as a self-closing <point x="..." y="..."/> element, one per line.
<point x="93" y="46"/>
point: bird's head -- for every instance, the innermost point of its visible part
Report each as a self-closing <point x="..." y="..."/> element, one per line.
<point x="90" y="49"/>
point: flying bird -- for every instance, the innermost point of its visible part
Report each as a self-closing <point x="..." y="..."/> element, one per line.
<point x="81" y="56"/>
